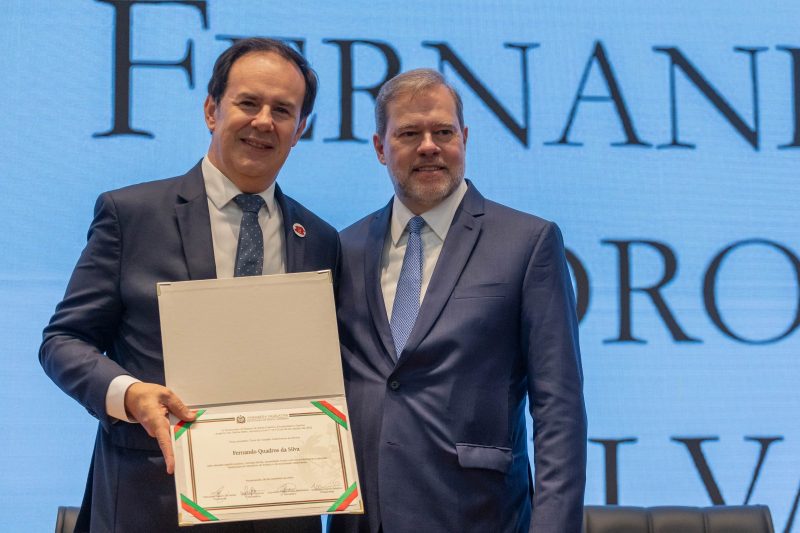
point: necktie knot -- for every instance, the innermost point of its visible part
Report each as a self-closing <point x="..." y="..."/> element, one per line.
<point x="249" y="203"/>
<point x="416" y="224"/>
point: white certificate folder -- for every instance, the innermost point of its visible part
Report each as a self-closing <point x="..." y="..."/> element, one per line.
<point x="258" y="358"/>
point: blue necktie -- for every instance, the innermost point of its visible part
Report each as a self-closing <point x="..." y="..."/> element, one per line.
<point x="250" y="251"/>
<point x="406" y="299"/>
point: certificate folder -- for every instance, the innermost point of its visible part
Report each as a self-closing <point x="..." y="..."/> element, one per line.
<point x="258" y="358"/>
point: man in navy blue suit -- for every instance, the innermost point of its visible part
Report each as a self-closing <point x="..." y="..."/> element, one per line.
<point x="103" y="344"/>
<point x="453" y="310"/>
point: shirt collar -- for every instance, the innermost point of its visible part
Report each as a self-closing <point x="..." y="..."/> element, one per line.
<point x="438" y="219"/>
<point x="221" y="190"/>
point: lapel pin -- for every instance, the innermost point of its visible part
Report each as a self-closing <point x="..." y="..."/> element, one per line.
<point x="299" y="230"/>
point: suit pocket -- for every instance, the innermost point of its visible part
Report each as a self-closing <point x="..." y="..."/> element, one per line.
<point x="488" y="457"/>
<point x="484" y="290"/>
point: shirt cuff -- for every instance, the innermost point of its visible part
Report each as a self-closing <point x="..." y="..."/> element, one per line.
<point x="115" y="397"/>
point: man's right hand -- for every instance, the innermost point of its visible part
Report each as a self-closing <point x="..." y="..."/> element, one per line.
<point x="149" y="404"/>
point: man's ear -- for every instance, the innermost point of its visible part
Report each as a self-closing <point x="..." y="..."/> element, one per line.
<point x="209" y="109"/>
<point x="378" y="144"/>
<point x="300" y="129"/>
<point x="465" y="133"/>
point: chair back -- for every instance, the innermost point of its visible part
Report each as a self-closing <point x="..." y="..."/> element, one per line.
<point x="66" y="518"/>
<point x="717" y="519"/>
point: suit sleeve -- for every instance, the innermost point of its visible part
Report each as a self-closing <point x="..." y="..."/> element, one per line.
<point x="85" y="323"/>
<point x="555" y="388"/>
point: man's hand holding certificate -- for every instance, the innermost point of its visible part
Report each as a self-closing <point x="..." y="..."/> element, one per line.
<point x="272" y="438"/>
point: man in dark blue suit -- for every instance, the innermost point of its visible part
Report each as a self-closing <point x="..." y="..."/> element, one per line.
<point x="103" y="344"/>
<point x="452" y="311"/>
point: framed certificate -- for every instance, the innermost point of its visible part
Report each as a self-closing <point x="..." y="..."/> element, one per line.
<point x="258" y="358"/>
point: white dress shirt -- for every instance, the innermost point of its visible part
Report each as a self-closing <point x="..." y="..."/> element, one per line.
<point x="225" y="217"/>
<point x="437" y="224"/>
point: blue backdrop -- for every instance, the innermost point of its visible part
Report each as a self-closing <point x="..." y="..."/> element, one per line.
<point x="663" y="137"/>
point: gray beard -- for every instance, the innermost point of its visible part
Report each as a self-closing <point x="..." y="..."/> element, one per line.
<point x="429" y="195"/>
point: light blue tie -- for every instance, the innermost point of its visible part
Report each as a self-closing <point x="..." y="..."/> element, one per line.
<point x="406" y="299"/>
<point x="250" y="250"/>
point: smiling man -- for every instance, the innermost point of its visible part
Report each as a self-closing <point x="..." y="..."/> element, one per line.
<point x="225" y="217"/>
<point x="469" y="312"/>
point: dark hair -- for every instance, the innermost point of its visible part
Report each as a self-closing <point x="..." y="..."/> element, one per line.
<point x="412" y="82"/>
<point x="222" y="68"/>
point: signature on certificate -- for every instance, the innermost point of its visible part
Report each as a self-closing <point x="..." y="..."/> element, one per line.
<point x="287" y="488"/>
<point x="217" y="493"/>
<point x="326" y="485"/>
<point x="250" y="492"/>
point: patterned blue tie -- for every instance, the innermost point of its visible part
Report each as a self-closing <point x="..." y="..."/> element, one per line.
<point x="406" y="299"/>
<point x="250" y="251"/>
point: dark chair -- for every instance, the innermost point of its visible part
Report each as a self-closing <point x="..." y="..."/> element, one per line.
<point x="65" y="521"/>
<point x="718" y="519"/>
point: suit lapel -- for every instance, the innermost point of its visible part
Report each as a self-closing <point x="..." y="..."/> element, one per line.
<point x="194" y="225"/>
<point x="295" y="245"/>
<point x="379" y="227"/>
<point x="456" y="250"/>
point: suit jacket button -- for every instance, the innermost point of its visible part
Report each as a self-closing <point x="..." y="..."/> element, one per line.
<point x="394" y="385"/>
